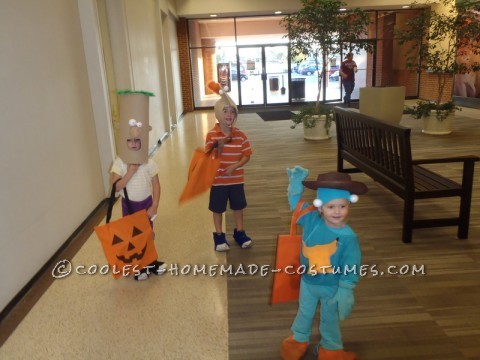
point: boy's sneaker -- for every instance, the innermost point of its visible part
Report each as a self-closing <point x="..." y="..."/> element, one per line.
<point x="221" y="243"/>
<point x="158" y="267"/>
<point x="242" y="239"/>
<point x="141" y="275"/>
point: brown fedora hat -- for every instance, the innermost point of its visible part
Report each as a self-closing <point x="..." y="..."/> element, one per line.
<point x="337" y="180"/>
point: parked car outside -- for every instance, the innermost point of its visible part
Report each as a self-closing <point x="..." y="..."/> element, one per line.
<point x="307" y="70"/>
<point x="243" y="73"/>
<point x="333" y="68"/>
<point x="335" y="76"/>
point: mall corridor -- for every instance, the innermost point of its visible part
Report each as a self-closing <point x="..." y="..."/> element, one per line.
<point x="429" y="315"/>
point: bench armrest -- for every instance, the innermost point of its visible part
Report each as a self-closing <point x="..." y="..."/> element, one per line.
<point x="468" y="158"/>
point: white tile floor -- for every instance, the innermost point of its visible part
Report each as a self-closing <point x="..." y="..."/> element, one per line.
<point x="166" y="317"/>
<point x="169" y="317"/>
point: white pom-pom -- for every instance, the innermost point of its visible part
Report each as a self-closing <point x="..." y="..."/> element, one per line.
<point x="221" y="92"/>
<point x="139" y="124"/>
<point x="353" y="198"/>
<point x="317" y="203"/>
<point x="132" y="122"/>
<point x="226" y="88"/>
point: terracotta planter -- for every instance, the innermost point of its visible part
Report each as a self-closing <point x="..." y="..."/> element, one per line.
<point x="318" y="132"/>
<point x="433" y="126"/>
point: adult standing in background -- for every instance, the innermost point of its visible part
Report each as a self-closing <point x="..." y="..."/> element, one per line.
<point x="348" y="68"/>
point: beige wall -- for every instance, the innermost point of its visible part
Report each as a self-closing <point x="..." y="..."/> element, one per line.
<point x="58" y="145"/>
<point x="51" y="174"/>
<point x="140" y="44"/>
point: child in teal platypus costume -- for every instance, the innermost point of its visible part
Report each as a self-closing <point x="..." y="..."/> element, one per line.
<point x="331" y="256"/>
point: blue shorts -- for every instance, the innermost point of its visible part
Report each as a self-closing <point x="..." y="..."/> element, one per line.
<point x="219" y="195"/>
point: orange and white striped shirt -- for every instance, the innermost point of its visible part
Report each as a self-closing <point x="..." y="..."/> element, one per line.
<point x="231" y="153"/>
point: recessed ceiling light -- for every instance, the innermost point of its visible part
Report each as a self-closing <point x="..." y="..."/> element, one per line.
<point x="278" y="12"/>
<point x="213" y="15"/>
<point x="343" y="9"/>
<point x="406" y="7"/>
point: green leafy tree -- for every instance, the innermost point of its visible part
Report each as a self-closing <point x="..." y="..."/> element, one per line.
<point x="436" y="36"/>
<point x="321" y="30"/>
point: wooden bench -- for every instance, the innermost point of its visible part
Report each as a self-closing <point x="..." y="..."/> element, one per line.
<point x="383" y="152"/>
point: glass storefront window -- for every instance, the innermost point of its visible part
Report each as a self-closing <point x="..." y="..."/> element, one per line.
<point x="213" y="64"/>
<point x="250" y="56"/>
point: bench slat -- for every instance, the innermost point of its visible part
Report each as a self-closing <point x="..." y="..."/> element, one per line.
<point x="430" y="184"/>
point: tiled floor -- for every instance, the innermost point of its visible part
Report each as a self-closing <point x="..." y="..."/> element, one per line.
<point x="174" y="316"/>
<point x="183" y="316"/>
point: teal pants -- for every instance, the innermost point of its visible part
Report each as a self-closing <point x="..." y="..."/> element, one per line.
<point x="310" y="297"/>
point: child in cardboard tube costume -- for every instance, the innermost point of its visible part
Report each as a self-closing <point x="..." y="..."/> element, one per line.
<point x="134" y="126"/>
<point x="132" y="169"/>
<point x="331" y="257"/>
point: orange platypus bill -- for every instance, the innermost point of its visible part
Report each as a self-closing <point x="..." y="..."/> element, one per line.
<point x="319" y="257"/>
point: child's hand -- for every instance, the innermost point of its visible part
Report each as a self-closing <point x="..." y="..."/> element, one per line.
<point x="151" y="212"/>
<point x="344" y="299"/>
<point x="229" y="170"/>
<point x="221" y="143"/>
<point x="132" y="168"/>
<point x="296" y="174"/>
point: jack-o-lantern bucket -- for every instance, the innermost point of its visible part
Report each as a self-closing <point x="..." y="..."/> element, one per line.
<point x="128" y="243"/>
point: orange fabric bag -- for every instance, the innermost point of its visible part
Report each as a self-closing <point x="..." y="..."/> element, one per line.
<point x="201" y="174"/>
<point x="286" y="281"/>
<point x="127" y="242"/>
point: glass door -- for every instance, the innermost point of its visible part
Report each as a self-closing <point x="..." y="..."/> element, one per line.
<point x="251" y="69"/>
<point x="361" y="75"/>
<point x="276" y="71"/>
<point x="263" y="76"/>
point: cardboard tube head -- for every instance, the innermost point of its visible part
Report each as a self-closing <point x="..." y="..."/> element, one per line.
<point x="134" y="127"/>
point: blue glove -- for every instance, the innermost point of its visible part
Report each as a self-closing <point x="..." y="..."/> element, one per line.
<point x="344" y="298"/>
<point x="296" y="176"/>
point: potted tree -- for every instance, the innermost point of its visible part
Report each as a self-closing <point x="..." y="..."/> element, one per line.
<point x="321" y="30"/>
<point x="316" y="121"/>
<point x="437" y="118"/>
<point x="433" y="40"/>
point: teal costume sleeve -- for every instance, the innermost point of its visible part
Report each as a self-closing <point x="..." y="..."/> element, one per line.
<point x="295" y="187"/>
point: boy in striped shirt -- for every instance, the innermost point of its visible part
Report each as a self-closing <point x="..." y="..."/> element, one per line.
<point x="233" y="148"/>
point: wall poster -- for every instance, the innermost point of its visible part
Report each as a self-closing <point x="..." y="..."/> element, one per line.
<point x="468" y="85"/>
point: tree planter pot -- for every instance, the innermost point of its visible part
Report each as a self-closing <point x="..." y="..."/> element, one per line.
<point x="433" y="126"/>
<point x="318" y="132"/>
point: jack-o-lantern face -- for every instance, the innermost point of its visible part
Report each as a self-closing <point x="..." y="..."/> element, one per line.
<point x="128" y="243"/>
<point x="134" y="253"/>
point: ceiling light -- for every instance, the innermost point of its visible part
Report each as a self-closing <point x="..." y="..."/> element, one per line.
<point x="406" y="7"/>
<point x="213" y="15"/>
<point x="278" y="12"/>
<point x="343" y="9"/>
